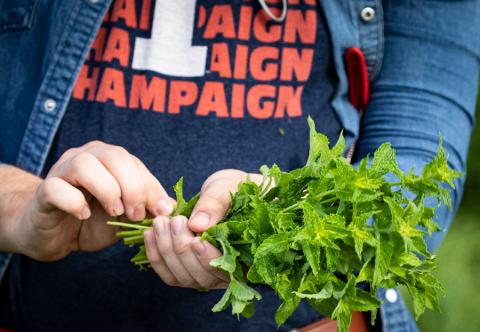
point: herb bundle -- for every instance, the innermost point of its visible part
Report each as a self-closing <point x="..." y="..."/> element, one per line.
<point x="319" y="231"/>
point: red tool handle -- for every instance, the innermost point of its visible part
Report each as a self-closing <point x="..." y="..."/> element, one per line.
<point x="357" y="73"/>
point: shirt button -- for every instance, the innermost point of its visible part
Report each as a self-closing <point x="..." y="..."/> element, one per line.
<point x="50" y="105"/>
<point x="391" y="295"/>
<point x="367" y="14"/>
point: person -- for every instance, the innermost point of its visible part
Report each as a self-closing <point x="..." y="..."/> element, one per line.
<point x="105" y="104"/>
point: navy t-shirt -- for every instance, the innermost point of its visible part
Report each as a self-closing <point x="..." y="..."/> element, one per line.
<point x="189" y="87"/>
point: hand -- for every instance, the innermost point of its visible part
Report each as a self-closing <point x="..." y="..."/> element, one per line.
<point x="87" y="186"/>
<point x="176" y="254"/>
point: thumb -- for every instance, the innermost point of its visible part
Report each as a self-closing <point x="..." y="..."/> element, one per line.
<point x="212" y="205"/>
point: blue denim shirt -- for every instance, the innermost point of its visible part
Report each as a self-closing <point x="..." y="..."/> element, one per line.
<point x="423" y="62"/>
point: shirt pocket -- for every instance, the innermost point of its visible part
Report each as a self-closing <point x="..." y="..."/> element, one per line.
<point x="16" y="15"/>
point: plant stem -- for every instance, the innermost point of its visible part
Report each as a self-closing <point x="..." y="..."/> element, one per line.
<point x="126" y="234"/>
<point x="329" y="200"/>
<point x="133" y="239"/>
<point x="392" y="184"/>
<point x="291" y="207"/>
<point x="241" y="242"/>
<point x="127" y="225"/>
<point x="323" y="194"/>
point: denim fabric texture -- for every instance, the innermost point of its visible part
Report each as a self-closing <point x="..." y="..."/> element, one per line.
<point x="423" y="60"/>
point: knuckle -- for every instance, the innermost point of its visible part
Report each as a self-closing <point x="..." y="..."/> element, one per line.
<point x="164" y="248"/>
<point x="180" y="248"/>
<point x="185" y="282"/>
<point x="205" y="281"/>
<point x="81" y="160"/>
<point x="226" y="175"/>
<point x="135" y="193"/>
<point x="49" y="189"/>
<point x="155" y="260"/>
<point x="70" y="152"/>
<point x="137" y="160"/>
<point x="182" y="280"/>
<point x="221" y="285"/>
<point x="231" y="173"/>
<point x="110" y="190"/>
<point x="170" y="281"/>
<point x="117" y="152"/>
<point x="95" y="143"/>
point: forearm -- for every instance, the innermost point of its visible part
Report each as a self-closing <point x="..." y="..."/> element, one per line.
<point x="426" y="88"/>
<point x="16" y="187"/>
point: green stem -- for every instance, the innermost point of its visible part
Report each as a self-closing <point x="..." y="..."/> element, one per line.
<point x="323" y="194"/>
<point x="291" y="207"/>
<point x="398" y="183"/>
<point x="127" y="225"/>
<point x="333" y="199"/>
<point x="133" y="239"/>
<point x="139" y="257"/>
<point x="241" y="242"/>
<point x="126" y="234"/>
<point x="265" y="188"/>
<point x="143" y="262"/>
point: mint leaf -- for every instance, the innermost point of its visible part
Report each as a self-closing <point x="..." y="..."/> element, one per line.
<point x="183" y="207"/>
<point x="317" y="232"/>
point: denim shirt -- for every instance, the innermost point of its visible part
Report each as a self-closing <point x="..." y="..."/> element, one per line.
<point x="422" y="56"/>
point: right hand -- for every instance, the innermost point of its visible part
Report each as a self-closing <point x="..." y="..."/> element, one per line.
<point x="86" y="187"/>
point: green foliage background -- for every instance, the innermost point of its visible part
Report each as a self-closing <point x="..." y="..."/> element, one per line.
<point x="459" y="259"/>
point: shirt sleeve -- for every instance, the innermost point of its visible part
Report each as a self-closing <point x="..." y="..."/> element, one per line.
<point x="426" y="88"/>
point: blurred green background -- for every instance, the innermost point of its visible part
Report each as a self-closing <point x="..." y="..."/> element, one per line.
<point x="459" y="259"/>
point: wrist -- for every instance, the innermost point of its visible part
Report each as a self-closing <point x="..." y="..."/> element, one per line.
<point x="17" y="187"/>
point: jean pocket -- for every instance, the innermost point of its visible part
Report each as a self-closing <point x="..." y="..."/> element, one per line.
<point x="16" y="14"/>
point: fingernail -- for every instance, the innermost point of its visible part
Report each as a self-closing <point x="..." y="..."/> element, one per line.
<point x="164" y="207"/>
<point x="177" y="225"/>
<point x="159" y="226"/>
<point x="139" y="212"/>
<point x="198" y="247"/>
<point x="86" y="213"/>
<point x="118" y="209"/>
<point x="201" y="220"/>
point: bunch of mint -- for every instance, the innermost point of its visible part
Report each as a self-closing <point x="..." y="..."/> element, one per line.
<point x="319" y="231"/>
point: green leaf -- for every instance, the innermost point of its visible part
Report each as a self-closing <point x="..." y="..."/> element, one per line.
<point x="275" y="244"/>
<point x="319" y="144"/>
<point x="284" y="288"/>
<point x="324" y="294"/>
<point x="227" y="261"/>
<point x="384" y="161"/>
<point x="438" y="168"/>
<point x="243" y="292"/>
<point x="183" y="207"/>
<point x="259" y="220"/>
<point x="320" y="231"/>
<point x="383" y="255"/>
<point x="418" y="299"/>
<point x="343" y="315"/>
<point x="224" y="301"/>
<point x="240" y="296"/>
<point x="363" y="301"/>
<point x="312" y="253"/>
<point x="265" y="268"/>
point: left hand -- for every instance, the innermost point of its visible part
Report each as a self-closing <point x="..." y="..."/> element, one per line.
<point x="178" y="256"/>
